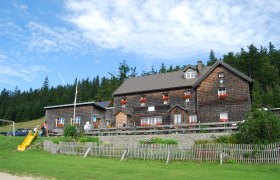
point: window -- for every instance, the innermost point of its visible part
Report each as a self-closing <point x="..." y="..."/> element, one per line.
<point x="220" y="74"/>
<point x="190" y="74"/>
<point x="60" y="121"/>
<point x="177" y="118"/>
<point x="151" y="121"/>
<point x="94" y="118"/>
<point x="224" y="117"/>
<point x="193" y="119"/>
<point x="76" y="121"/>
<point x="151" y="108"/>
<point x="222" y="93"/>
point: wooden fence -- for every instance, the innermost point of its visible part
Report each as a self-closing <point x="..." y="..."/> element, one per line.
<point x="201" y="153"/>
<point x="167" y="129"/>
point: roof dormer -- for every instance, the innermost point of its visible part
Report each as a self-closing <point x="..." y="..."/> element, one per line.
<point x="190" y="72"/>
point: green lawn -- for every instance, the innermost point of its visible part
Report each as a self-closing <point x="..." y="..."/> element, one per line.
<point x="39" y="163"/>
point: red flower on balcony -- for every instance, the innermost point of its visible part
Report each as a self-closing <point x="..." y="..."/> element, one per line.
<point x="123" y="101"/>
<point x="59" y="125"/>
<point x="158" y="124"/>
<point x="187" y="95"/>
<point x="222" y="96"/>
<point x="224" y="120"/>
<point x="145" y="124"/>
<point x="165" y="97"/>
<point x="142" y="100"/>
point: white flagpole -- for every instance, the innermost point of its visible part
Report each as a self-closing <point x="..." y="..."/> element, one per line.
<point x="74" y="117"/>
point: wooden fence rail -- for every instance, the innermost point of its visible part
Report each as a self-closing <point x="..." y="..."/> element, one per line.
<point x="269" y="154"/>
<point x="167" y="129"/>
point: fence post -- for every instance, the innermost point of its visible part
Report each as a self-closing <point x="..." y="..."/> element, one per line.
<point x="168" y="157"/>
<point x="124" y="154"/>
<point x="87" y="152"/>
<point x="221" y="158"/>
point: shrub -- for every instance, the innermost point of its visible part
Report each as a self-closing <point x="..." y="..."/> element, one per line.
<point x="231" y="139"/>
<point x="260" y="126"/>
<point x="70" y="131"/>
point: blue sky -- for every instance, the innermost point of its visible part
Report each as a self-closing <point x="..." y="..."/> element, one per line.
<point x="83" y="38"/>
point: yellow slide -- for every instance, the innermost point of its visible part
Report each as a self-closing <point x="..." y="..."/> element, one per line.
<point x="27" y="141"/>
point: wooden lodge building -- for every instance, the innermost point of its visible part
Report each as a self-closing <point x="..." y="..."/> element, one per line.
<point x="196" y="94"/>
<point x="97" y="114"/>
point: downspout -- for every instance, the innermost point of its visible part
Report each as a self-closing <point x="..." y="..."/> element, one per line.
<point x="196" y="101"/>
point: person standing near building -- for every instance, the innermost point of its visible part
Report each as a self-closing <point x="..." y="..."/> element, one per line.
<point x="44" y="128"/>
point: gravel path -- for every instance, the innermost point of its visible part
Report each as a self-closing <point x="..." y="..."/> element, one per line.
<point x="5" y="176"/>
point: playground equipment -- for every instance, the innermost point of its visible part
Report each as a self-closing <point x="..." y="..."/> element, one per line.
<point x="27" y="141"/>
<point x="3" y="122"/>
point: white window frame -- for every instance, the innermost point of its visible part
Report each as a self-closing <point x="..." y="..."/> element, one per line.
<point x="59" y="120"/>
<point x="76" y="121"/>
<point x="223" y="117"/>
<point x="151" y="108"/>
<point x="221" y="74"/>
<point x="177" y="118"/>
<point x="151" y="121"/>
<point x="222" y="91"/>
<point x="193" y="119"/>
<point x="190" y="75"/>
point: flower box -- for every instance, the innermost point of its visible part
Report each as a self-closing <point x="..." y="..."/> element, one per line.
<point x="187" y="96"/>
<point x="222" y="96"/>
<point x="142" y="100"/>
<point x="158" y="124"/>
<point x="223" y="120"/>
<point x="59" y="125"/>
<point x="123" y="102"/>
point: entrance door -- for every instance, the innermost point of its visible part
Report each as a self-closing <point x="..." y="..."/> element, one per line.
<point x="121" y="119"/>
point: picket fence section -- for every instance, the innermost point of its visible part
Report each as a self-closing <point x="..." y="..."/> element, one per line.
<point x="269" y="154"/>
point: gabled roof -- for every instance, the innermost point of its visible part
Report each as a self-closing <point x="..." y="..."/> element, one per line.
<point x="235" y="71"/>
<point x="77" y="104"/>
<point x="185" y="109"/>
<point x="156" y="82"/>
<point x="104" y="103"/>
<point x="170" y="80"/>
<point x="189" y="66"/>
<point x="125" y="112"/>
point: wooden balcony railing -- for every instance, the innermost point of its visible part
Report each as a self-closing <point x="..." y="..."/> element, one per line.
<point x="167" y="129"/>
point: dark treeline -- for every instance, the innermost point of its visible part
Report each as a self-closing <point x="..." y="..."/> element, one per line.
<point x="262" y="65"/>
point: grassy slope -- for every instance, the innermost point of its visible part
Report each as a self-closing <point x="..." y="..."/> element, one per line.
<point x="38" y="163"/>
<point x="27" y="124"/>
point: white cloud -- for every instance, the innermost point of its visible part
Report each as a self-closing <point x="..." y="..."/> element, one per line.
<point x="175" y="29"/>
<point x="20" y="6"/>
<point x="54" y="39"/>
<point x="15" y="73"/>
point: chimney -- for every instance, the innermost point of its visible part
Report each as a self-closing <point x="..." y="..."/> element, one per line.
<point x="199" y="66"/>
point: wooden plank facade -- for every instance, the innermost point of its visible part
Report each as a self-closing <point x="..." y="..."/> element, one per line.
<point x="90" y="113"/>
<point x="213" y="94"/>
